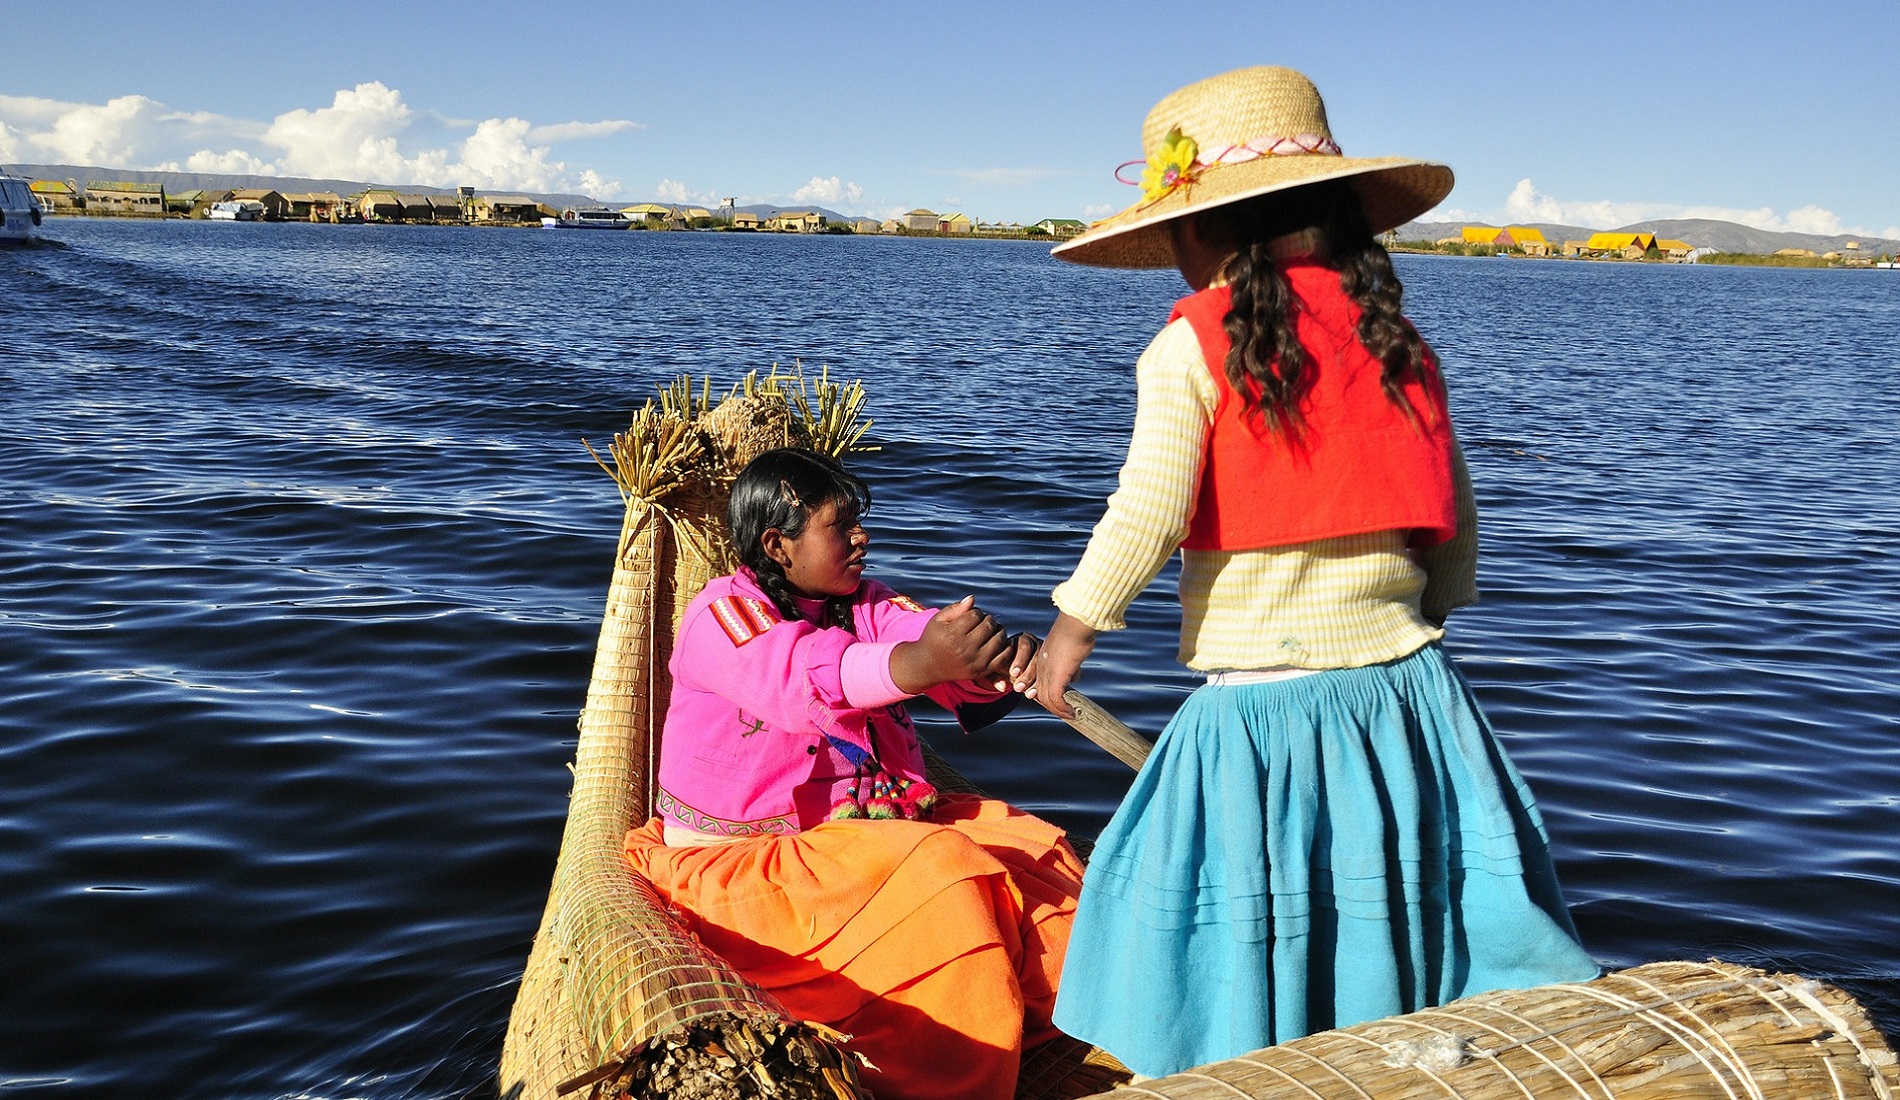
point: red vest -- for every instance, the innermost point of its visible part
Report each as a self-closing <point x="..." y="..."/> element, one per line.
<point x="1358" y="463"/>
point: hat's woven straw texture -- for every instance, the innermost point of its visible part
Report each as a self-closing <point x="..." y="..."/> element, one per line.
<point x="1251" y="107"/>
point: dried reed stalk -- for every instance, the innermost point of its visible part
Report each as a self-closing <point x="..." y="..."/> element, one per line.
<point x="1665" y="1031"/>
<point x="612" y="972"/>
<point x="620" y="1000"/>
<point x="617" y="997"/>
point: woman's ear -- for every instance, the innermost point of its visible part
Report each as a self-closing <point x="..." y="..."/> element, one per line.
<point x="772" y="541"/>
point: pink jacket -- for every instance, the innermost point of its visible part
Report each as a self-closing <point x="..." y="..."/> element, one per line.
<point x="760" y="736"/>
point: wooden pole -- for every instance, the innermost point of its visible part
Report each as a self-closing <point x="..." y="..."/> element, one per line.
<point x="1106" y="730"/>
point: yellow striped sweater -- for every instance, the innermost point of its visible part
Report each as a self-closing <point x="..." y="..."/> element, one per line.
<point x="1333" y="603"/>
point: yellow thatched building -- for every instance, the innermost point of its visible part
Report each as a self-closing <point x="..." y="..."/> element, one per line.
<point x="1529" y="241"/>
<point x="1630" y="246"/>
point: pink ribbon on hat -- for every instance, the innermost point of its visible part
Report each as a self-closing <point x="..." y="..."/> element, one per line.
<point x="1271" y="146"/>
<point x="1297" y="145"/>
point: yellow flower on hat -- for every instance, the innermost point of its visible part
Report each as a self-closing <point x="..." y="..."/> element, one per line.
<point x="1169" y="165"/>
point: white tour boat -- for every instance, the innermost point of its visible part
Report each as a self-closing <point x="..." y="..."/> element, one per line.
<point x="591" y="217"/>
<point x="240" y="210"/>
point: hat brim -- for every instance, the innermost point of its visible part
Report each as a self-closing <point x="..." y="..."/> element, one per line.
<point x="1393" y="191"/>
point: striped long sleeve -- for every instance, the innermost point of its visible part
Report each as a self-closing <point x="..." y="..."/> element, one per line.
<point x="1333" y="603"/>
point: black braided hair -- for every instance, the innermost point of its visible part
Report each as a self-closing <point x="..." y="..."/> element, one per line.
<point x="1266" y="364"/>
<point x="782" y="488"/>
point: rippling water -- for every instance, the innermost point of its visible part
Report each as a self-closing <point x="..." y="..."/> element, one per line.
<point x="303" y="562"/>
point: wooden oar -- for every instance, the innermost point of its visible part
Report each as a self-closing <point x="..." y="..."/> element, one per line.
<point x="1106" y="730"/>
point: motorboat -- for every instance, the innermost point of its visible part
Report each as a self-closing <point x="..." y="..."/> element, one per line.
<point x="239" y="210"/>
<point x="588" y="217"/>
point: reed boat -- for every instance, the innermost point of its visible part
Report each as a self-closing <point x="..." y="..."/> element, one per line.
<point x="618" y="1000"/>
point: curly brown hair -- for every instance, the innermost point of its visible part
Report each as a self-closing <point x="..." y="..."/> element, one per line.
<point x="1266" y="364"/>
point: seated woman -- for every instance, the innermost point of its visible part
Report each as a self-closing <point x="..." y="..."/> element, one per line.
<point x="796" y="829"/>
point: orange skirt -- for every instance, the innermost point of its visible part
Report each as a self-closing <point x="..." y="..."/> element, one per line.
<point x="936" y="945"/>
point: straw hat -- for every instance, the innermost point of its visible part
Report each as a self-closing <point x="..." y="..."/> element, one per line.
<point x="1236" y="136"/>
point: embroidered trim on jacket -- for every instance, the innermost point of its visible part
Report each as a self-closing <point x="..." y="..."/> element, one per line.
<point x="679" y="811"/>
<point x="743" y="618"/>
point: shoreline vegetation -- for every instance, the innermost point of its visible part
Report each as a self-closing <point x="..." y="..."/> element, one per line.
<point x="698" y="225"/>
<point x="701" y="225"/>
<point x="1051" y="230"/>
<point x="1791" y="257"/>
<point x="468" y="208"/>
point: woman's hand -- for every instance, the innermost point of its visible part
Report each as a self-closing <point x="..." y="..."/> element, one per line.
<point x="1059" y="662"/>
<point x="961" y="642"/>
<point x="1015" y="668"/>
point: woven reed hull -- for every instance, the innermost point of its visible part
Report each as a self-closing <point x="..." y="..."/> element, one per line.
<point x="613" y="976"/>
<point x="618" y="997"/>
<point x="1665" y="1031"/>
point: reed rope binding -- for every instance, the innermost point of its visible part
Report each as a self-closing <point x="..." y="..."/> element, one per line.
<point x="618" y="999"/>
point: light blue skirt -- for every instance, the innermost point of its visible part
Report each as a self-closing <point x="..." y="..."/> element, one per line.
<point x="1307" y="854"/>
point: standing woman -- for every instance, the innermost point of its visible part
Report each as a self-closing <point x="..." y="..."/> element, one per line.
<point x="1328" y="832"/>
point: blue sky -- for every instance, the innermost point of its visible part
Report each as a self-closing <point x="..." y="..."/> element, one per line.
<point x="1598" y="114"/>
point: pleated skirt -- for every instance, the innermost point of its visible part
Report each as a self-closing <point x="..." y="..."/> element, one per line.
<point x="937" y="946"/>
<point x="1308" y="854"/>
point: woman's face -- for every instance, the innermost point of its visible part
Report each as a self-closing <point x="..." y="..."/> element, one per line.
<point x="826" y="558"/>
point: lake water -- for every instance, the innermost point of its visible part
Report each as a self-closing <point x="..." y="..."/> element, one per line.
<point x="303" y="562"/>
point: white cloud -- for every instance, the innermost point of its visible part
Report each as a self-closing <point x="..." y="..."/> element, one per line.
<point x="108" y="133"/>
<point x="1813" y="219"/>
<point x="578" y="131"/>
<point x="593" y="183"/>
<point x="234" y="162"/>
<point x="365" y="133"/>
<point x="1527" y="204"/>
<point x="32" y="111"/>
<point x="673" y="191"/>
<point x="829" y="192"/>
<point x="353" y="138"/>
<point x="1806" y="219"/>
<point x="1448" y="214"/>
<point x="498" y="154"/>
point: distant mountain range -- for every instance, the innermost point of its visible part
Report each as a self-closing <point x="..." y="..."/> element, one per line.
<point x="191" y="181"/>
<point x="1700" y="232"/>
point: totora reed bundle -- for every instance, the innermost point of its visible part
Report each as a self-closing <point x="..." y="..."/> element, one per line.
<point x="1664" y="1031"/>
<point x="617" y="996"/>
<point x="619" y="1000"/>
